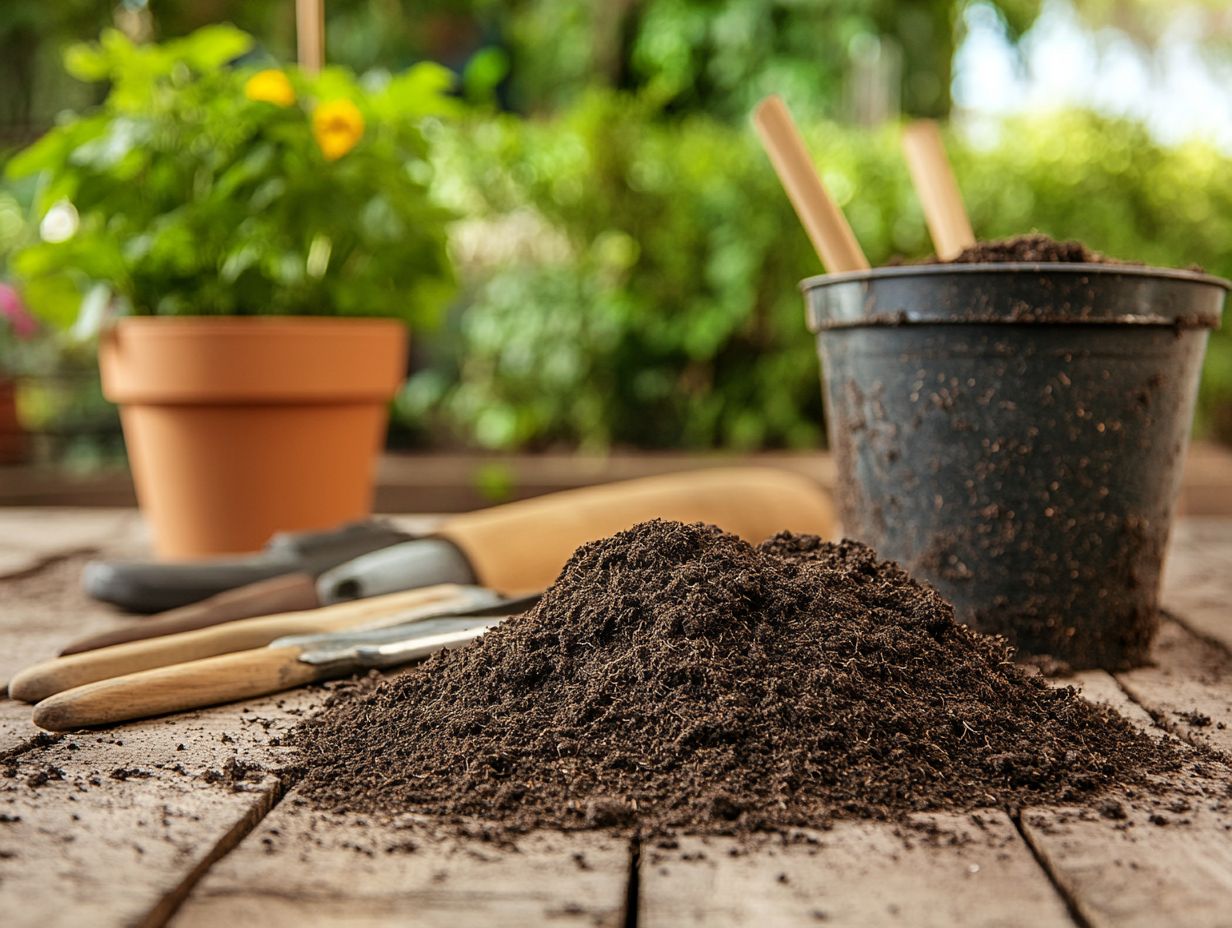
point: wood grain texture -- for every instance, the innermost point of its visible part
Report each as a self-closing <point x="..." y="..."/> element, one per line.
<point x="1144" y="870"/>
<point x="303" y="868"/>
<point x="1101" y="687"/>
<point x="955" y="870"/>
<point x="17" y="731"/>
<point x="1167" y="860"/>
<point x="111" y="828"/>
<point x="1188" y="688"/>
<point x="38" y="612"/>
<point x="1197" y="583"/>
<point x="31" y="537"/>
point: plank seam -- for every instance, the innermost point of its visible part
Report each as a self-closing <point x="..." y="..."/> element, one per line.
<point x="1158" y="716"/>
<point x="633" y="884"/>
<point x="49" y="560"/>
<point x="1189" y="629"/>
<point x="1070" y="900"/>
<point x="170" y="903"/>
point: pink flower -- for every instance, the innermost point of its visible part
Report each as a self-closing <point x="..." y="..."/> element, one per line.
<point x="14" y="312"/>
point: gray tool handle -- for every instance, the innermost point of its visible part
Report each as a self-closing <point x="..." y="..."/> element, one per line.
<point x="155" y="586"/>
<point x="407" y="566"/>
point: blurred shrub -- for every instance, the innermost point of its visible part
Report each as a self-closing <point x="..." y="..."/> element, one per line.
<point x="633" y="280"/>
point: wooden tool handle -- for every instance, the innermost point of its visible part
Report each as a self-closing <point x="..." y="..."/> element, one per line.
<point x="289" y="593"/>
<point x="310" y="34"/>
<point x="824" y="222"/>
<point x="520" y="547"/>
<point x="937" y="189"/>
<point x="42" y="680"/>
<point x="208" y="682"/>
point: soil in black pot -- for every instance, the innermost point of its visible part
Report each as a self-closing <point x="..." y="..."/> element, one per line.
<point x="1034" y="247"/>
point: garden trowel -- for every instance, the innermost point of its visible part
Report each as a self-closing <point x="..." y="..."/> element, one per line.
<point x="283" y="664"/>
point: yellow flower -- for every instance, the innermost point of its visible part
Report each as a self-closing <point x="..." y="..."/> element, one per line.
<point x="338" y="126"/>
<point x="270" y="87"/>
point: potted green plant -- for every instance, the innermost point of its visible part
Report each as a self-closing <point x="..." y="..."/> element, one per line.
<point x="257" y="241"/>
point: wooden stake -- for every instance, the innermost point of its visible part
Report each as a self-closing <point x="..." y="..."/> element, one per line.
<point x="824" y="222"/>
<point x="937" y="189"/>
<point x="310" y="34"/>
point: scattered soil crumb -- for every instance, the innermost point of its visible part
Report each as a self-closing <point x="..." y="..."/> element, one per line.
<point x="130" y="773"/>
<point x="45" y="774"/>
<point x="234" y="773"/>
<point x="1195" y="718"/>
<point x="1112" y="808"/>
<point x="677" y="679"/>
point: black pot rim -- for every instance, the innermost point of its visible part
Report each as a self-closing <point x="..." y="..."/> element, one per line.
<point x="1006" y="267"/>
<point x="1065" y="293"/>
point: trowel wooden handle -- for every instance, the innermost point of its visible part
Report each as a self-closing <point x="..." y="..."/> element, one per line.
<point x="208" y="682"/>
<point x="937" y="189"/>
<point x="42" y="680"/>
<point x="288" y="593"/>
<point x="521" y="547"/>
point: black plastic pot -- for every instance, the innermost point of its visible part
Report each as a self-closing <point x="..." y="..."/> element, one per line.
<point x="1014" y="434"/>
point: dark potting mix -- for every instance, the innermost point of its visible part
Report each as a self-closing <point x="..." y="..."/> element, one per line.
<point x="1034" y="247"/>
<point x="676" y="678"/>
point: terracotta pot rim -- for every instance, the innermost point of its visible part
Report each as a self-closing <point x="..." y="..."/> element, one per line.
<point x="244" y="322"/>
<point x="230" y="360"/>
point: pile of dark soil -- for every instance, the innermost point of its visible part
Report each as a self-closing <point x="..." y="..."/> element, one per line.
<point x="677" y="678"/>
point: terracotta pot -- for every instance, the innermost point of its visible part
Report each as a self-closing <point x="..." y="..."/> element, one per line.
<point x="238" y="428"/>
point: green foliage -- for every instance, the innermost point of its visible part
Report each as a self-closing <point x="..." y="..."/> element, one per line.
<point x="635" y="281"/>
<point x="720" y="56"/>
<point x="192" y="198"/>
<point x="667" y="315"/>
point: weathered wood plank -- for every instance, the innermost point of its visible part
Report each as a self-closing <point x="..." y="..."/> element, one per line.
<point x="1146" y="868"/>
<point x="305" y="868"/>
<point x="1098" y="686"/>
<point x="1189" y="687"/>
<point x="17" y="732"/>
<point x="30" y="537"/>
<point x="111" y="828"/>
<point x="956" y="870"/>
<point x="42" y="610"/>
<point x="1152" y="861"/>
<point x="1197" y="583"/>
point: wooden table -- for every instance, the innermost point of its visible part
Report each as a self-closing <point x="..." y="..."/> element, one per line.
<point x="153" y="823"/>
